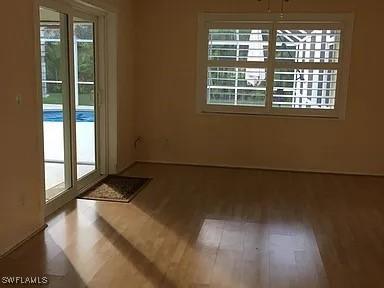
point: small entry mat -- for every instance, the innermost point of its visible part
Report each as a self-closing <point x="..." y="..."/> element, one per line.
<point x="116" y="188"/>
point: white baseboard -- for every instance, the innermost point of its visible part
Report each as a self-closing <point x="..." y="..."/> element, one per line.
<point x="255" y="167"/>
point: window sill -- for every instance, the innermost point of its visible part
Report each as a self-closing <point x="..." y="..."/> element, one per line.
<point x="274" y="113"/>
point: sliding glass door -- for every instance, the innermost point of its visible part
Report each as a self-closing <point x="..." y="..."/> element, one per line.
<point x="84" y="74"/>
<point x="69" y="96"/>
<point x="56" y="102"/>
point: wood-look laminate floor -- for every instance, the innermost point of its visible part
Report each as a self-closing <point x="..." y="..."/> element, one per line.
<point x="213" y="227"/>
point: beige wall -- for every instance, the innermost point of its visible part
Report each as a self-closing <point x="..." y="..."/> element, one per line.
<point x="21" y="182"/>
<point x="166" y="118"/>
<point x="21" y="176"/>
<point x="125" y="58"/>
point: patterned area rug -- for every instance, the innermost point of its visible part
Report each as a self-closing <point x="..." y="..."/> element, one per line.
<point x="116" y="188"/>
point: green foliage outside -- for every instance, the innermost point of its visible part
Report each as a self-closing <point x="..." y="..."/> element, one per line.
<point x="54" y="91"/>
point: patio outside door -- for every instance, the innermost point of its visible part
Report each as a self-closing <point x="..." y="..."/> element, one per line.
<point x="70" y="101"/>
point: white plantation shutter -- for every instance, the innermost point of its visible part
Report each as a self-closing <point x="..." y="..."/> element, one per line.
<point x="308" y="45"/>
<point x="291" y="66"/>
<point x="231" y="78"/>
<point x="306" y="87"/>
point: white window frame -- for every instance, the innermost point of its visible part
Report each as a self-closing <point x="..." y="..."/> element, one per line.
<point x="274" y="22"/>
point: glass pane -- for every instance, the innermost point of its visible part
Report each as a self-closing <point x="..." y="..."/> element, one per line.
<point x="236" y="86"/>
<point x="303" y="88"/>
<point x="320" y="46"/>
<point x="56" y="152"/>
<point x="84" y="55"/>
<point x="238" y="44"/>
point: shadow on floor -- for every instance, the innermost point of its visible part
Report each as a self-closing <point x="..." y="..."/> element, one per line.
<point x="41" y="257"/>
<point x="148" y="269"/>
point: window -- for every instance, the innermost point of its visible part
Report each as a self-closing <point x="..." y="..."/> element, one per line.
<point x="268" y="64"/>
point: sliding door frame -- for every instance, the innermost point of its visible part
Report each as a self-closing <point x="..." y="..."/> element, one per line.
<point x="99" y="18"/>
<point x="89" y="178"/>
<point x="68" y="172"/>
